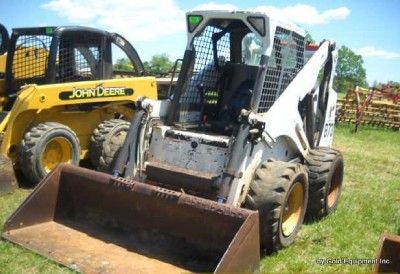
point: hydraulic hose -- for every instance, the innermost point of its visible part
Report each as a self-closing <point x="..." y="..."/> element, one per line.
<point x="126" y="161"/>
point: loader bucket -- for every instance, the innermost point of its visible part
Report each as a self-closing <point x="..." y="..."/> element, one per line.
<point x="8" y="181"/>
<point x="95" y="223"/>
<point x="388" y="258"/>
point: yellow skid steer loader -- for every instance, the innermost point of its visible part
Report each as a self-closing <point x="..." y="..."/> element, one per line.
<point x="63" y="100"/>
<point x="228" y="166"/>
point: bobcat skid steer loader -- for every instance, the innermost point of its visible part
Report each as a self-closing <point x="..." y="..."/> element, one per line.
<point x="230" y="163"/>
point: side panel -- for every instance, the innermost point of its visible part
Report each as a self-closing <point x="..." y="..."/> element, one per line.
<point x="283" y="118"/>
<point x="329" y="125"/>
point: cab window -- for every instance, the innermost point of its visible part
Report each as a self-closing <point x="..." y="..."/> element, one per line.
<point x="122" y="66"/>
<point x="251" y="49"/>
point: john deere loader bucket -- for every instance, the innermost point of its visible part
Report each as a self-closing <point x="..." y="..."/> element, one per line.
<point x="92" y="222"/>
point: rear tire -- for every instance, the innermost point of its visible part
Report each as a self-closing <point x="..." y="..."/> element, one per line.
<point x="279" y="192"/>
<point x="106" y="142"/>
<point x="44" y="147"/>
<point x="325" y="167"/>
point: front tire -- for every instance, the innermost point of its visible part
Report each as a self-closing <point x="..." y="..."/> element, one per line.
<point x="279" y="192"/>
<point x="44" y="147"/>
<point x="326" y="179"/>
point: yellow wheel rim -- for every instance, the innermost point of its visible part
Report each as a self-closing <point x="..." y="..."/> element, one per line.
<point x="57" y="150"/>
<point x="292" y="209"/>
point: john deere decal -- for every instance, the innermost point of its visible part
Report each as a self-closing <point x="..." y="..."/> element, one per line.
<point x="97" y="92"/>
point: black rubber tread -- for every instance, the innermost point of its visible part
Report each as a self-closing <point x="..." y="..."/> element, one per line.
<point x="268" y="194"/>
<point x="321" y="163"/>
<point x="33" y="144"/>
<point x="103" y="147"/>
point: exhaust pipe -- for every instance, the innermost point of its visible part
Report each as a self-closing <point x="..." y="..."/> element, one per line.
<point x="93" y="222"/>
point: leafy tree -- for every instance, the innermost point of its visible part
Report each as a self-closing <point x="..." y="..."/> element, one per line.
<point x="349" y="70"/>
<point x="123" y="64"/>
<point x="394" y="84"/>
<point x="159" y="64"/>
<point x="146" y="65"/>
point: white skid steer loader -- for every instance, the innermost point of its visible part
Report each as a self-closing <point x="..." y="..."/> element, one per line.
<point x="232" y="162"/>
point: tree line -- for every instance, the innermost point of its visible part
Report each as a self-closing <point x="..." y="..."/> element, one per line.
<point x="159" y="64"/>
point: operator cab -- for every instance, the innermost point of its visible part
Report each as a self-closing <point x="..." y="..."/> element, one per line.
<point x="220" y="77"/>
<point x="227" y="62"/>
<point x="49" y="55"/>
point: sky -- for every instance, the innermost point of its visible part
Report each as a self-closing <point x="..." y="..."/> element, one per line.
<point x="370" y="28"/>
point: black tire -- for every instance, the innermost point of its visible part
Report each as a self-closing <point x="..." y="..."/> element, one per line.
<point x="269" y="193"/>
<point x="325" y="177"/>
<point x="34" y="144"/>
<point x="105" y="143"/>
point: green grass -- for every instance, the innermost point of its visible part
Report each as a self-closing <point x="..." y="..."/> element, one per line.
<point x="14" y="259"/>
<point x="341" y="95"/>
<point x="369" y="206"/>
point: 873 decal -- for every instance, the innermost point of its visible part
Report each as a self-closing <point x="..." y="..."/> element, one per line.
<point x="328" y="129"/>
